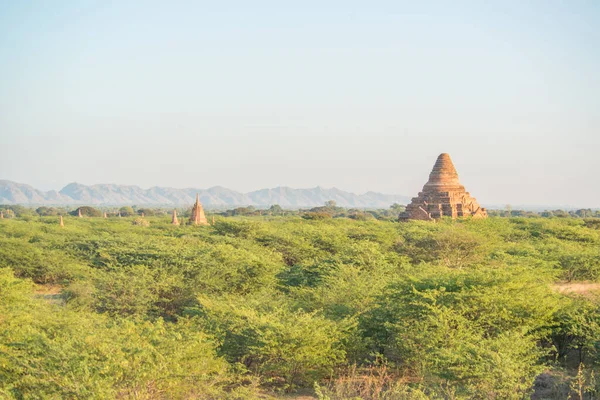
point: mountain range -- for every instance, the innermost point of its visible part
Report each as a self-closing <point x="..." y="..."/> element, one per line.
<point x="214" y="197"/>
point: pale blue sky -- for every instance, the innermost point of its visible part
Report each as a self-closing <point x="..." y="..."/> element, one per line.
<point x="358" y="95"/>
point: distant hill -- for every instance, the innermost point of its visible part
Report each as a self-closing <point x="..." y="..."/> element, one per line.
<point x="108" y="194"/>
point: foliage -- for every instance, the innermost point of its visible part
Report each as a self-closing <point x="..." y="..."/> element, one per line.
<point x="477" y="329"/>
<point x="140" y="222"/>
<point x="291" y="347"/>
<point x="86" y="211"/>
<point x="149" y="212"/>
<point x="126" y="211"/>
<point x="47" y="352"/>
<point x="48" y="211"/>
<point x="276" y="299"/>
<point x="576" y="327"/>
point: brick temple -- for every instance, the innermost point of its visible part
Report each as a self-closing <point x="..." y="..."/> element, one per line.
<point x="198" y="217"/>
<point x="443" y="196"/>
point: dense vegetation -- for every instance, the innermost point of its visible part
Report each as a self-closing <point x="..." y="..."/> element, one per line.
<point x="255" y="307"/>
<point x="329" y="210"/>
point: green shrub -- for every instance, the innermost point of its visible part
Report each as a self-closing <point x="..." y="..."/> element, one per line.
<point x="86" y="212"/>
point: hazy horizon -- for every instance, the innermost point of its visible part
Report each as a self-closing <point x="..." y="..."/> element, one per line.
<point x="337" y="94"/>
<point x="534" y="207"/>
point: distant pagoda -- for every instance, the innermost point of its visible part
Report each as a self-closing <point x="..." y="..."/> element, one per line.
<point x="198" y="217"/>
<point x="174" y="220"/>
<point x="443" y="196"/>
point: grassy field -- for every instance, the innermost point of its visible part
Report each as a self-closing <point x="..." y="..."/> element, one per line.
<point x="280" y="307"/>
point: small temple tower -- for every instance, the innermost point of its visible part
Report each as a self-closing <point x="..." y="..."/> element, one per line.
<point x="443" y="196"/>
<point x="1" y="214"/>
<point x="198" y="217"/>
<point x="175" y="221"/>
<point x="62" y="224"/>
<point x="105" y="216"/>
<point x="79" y="213"/>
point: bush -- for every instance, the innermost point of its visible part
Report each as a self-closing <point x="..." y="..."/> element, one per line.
<point x="289" y="349"/>
<point x="446" y="328"/>
<point x="43" y="266"/>
<point x="148" y="212"/>
<point x="140" y="222"/>
<point x="47" y="211"/>
<point x="317" y="215"/>
<point x="49" y="352"/>
<point x="126" y="211"/>
<point x="453" y="309"/>
<point x="86" y="212"/>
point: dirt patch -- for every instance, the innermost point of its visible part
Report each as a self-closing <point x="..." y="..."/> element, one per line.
<point x="303" y="398"/>
<point x="583" y="288"/>
<point x="47" y="289"/>
<point x="303" y="394"/>
<point x="50" y="293"/>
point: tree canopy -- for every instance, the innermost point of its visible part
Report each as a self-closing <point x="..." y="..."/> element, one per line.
<point x="261" y="304"/>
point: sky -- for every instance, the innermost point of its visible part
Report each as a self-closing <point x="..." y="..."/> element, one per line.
<point x="362" y="96"/>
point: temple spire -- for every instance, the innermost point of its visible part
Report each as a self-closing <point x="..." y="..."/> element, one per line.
<point x="198" y="217"/>
<point x="62" y="224"/>
<point x="175" y="221"/>
<point x="443" y="173"/>
<point x="79" y="212"/>
<point x="443" y="196"/>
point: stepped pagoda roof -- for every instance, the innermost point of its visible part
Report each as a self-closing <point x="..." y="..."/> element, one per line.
<point x="443" y="196"/>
